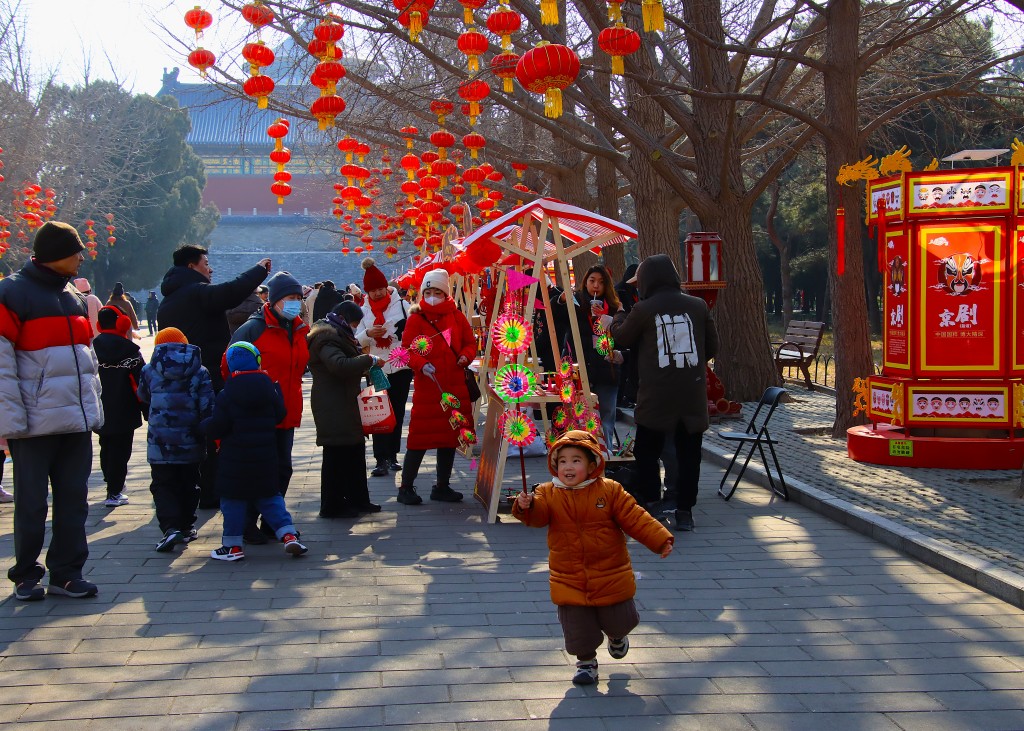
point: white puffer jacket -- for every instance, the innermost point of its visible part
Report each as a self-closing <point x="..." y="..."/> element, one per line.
<point x="394" y="322"/>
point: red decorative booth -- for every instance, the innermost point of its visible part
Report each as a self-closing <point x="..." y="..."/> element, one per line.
<point x="950" y="391"/>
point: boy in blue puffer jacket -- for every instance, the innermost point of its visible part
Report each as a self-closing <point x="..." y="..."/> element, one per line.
<point x="245" y="419"/>
<point x="180" y="395"/>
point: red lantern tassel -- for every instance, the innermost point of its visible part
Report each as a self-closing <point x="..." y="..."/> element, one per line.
<point x="840" y="241"/>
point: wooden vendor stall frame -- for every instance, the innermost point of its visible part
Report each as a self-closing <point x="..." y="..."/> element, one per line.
<point x="515" y="233"/>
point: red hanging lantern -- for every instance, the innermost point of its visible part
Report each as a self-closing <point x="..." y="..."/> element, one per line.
<point x="329" y="31"/>
<point x="548" y="69"/>
<point x="323" y="51"/>
<point x="473" y="44"/>
<point x="413" y="15"/>
<point x="504" y="67"/>
<point x="474" y="91"/>
<point x="442" y="108"/>
<point x="258" y="55"/>
<point x="325" y="109"/>
<point x="443" y="169"/>
<point x="504" y="22"/>
<point x="468" y="6"/>
<point x="474" y="176"/>
<point x="202" y="60"/>
<point x="410" y="163"/>
<point x="442" y="139"/>
<point x="260" y="88"/>
<point x="198" y="20"/>
<point x="257" y="14"/>
<point x="408" y="133"/>
<point x="618" y="41"/>
<point x="474" y="143"/>
<point x="331" y="72"/>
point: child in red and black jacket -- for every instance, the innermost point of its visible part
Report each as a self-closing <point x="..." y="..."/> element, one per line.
<point x="120" y="362"/>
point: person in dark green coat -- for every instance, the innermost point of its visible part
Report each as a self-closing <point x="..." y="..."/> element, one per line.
<point x="338" y="364"/>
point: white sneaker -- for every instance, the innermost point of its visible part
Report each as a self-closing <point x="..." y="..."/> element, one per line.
<point x="5" y="497"/>
<point x="115" y="501"/>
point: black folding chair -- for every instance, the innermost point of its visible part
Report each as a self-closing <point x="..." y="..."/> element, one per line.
<point x="757" y="437"/>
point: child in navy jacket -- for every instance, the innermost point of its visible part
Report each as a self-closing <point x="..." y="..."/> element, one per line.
<point x="245" y="418"/>
<point x="121" y="365"/>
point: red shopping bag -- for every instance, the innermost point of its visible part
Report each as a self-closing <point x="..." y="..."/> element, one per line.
<point x="375" y="411"/>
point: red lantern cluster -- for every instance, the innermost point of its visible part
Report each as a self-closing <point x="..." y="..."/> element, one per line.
<point x="280" y="156"/>
<point x="90" y="235"/>
<point x="474" y="91"/>
<point x="328" y="72"/>
<point x="258" y="85"/>
<point x="111" y="239"/>
<point x="201" y="59"/>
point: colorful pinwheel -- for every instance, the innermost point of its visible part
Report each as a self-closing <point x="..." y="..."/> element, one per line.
<point x="579" y="409"/>
<point x="399" y="357"/>
<point x="604" y="345"/>
<point x="591" y="423"/>
<point x="560" y="418"/>
<point x="565" y="369"/>
<point x="457" y="419"/>
<point x="517" y="429"/>
<point x="512" y="334"/>
<point x="449" y="401"/>
<point x="550" y="437"/>
<point x="514" y="383"/>
<point x="421" y="345"/>
<point x="567" y="392"/>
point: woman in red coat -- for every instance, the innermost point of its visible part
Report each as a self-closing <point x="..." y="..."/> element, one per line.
<point x="441" y="369"/>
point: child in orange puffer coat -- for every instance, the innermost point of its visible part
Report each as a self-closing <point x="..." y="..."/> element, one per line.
<point x="588" y="518"/>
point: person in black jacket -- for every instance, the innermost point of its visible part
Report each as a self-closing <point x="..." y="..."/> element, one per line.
<point x="197" y="308"/>
<point x="245" y="418"/>
<point x="120" y="363"/>
<point x="628" y="375"/>
<point x="327" y="298"/>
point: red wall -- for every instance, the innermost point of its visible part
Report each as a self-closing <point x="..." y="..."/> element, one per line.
<point x="242" y="193"/>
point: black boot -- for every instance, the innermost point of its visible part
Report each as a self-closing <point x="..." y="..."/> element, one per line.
<point x="381" y="470"/>
<point x="408" y="496"/>
<point x="445" y="494"/>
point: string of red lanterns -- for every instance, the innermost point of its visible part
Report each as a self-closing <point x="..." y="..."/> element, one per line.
<point x="199" y="20"/>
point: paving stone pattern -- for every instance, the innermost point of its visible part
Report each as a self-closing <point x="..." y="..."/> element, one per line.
<point x="971" y="510"/>
<point x="769" y="616"/>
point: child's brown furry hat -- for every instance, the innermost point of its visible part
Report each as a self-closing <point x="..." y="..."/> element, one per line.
<point x="581" y="440"/>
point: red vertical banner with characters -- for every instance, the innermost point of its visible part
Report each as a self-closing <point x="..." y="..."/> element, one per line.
<point x="1016" y="283"/>
<point x="960" y="284"/>
<point x="898" y="302"/>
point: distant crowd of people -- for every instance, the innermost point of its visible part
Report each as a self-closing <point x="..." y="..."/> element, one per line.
<point x="222" y="397"/>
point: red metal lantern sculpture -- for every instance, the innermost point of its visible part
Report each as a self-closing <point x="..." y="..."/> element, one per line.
<point x="473" y="44"/>
<point x="548" y="69"/>
<point x="618" y="41"/>
<point x="504" y="67"/>
<point x="504" y="22"/>
<point x="474" y="91"/>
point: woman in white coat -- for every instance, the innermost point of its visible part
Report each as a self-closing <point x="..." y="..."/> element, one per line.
<point x="380" y="331"/>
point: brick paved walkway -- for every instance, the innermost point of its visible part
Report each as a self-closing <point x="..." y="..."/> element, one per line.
<point x="767" y="617"/>
<point x="972" y="512"/>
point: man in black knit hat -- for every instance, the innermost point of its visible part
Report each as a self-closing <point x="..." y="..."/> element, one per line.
<point x="49" y="406"/>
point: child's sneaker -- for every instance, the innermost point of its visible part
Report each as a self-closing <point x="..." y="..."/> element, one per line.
<point x="171" y="539"/>
<point x="586" y="672"/>
<point x="115" y="501"/>
<point x="5" y="497"/>
<point x="228" y="553"/>
<point x="292" y="545"/>
<point x="618" y="648"/>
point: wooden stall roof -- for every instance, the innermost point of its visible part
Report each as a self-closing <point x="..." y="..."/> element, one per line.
<point x="582" y="228"/>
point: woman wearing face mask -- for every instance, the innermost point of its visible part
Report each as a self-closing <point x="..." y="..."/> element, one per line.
<point x="598" y="302"/>
<point x="437" y="369"/>
<point x="279" y="332"/>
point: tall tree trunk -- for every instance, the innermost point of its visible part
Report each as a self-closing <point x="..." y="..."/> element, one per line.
<point x="847" y="300"/>
<point x="744" y="361"/>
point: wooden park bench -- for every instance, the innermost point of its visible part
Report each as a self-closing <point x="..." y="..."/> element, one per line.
<point x="799" y="347"/>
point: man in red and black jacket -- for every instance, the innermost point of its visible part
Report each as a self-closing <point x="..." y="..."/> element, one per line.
<point x="49" y="405"/>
